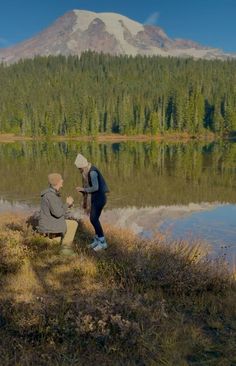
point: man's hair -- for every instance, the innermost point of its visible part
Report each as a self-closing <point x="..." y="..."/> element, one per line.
<point x="54" y="178"/>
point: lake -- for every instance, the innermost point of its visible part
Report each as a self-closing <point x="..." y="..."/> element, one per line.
<point x="186" y="189"/>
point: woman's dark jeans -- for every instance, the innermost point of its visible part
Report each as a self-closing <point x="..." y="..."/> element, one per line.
<point x="97" y="204"/>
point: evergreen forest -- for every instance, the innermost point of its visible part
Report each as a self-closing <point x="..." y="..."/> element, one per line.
<point x="103" y="94"/>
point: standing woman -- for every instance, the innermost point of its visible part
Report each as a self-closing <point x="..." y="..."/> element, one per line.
<point x="94" y="191"/>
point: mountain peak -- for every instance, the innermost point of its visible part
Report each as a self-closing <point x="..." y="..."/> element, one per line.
<point x="80" y="30"/>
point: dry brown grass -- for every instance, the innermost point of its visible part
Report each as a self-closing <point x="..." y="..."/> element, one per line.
<point x="138" y="303"/>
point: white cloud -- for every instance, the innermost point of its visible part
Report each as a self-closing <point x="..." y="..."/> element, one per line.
<point x="153" y="18"/>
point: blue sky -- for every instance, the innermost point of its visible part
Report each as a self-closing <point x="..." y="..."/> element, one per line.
<point x="209" y="22"/>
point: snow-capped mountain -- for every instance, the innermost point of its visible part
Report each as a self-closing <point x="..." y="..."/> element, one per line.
<point x="112" y="33"/>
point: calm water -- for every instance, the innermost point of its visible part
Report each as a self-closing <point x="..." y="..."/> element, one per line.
<point x="188" y="188"/>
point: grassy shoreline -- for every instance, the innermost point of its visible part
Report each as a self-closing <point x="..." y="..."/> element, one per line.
<point x="138" y="303"/>
<point x="185" y="137"/>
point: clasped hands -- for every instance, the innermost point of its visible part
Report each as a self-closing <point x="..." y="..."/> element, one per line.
<point x="70" y="200"/>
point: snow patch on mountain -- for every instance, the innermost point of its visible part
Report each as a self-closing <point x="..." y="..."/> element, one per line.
<point x="114" y="23"/>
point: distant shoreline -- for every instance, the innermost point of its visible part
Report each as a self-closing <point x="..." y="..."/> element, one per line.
<point x="10" y="137"/>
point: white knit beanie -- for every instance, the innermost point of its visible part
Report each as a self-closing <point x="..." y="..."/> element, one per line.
<point x="81" y="161"/>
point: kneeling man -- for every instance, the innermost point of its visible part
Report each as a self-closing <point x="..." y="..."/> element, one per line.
<point x="52" y="217"/>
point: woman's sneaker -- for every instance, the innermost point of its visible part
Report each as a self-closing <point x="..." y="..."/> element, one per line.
<point x="94" y="243"/>
<point x="102" y="244"/>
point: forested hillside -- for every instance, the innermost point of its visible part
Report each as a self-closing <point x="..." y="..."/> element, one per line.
<point x="98" y="93"/>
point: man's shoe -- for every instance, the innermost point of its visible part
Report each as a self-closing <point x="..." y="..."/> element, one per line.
<point x="94" y="243"/>
<point x="102" y="244"/>
<point x="68" y="252"/>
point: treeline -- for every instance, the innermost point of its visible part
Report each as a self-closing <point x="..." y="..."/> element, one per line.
<point x="99" y="93"/>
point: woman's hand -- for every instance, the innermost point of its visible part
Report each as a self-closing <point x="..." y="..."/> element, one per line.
<point x="80" y="189"/>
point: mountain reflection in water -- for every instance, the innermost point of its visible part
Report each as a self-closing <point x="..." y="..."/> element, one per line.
<point x="212" y="223"/>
